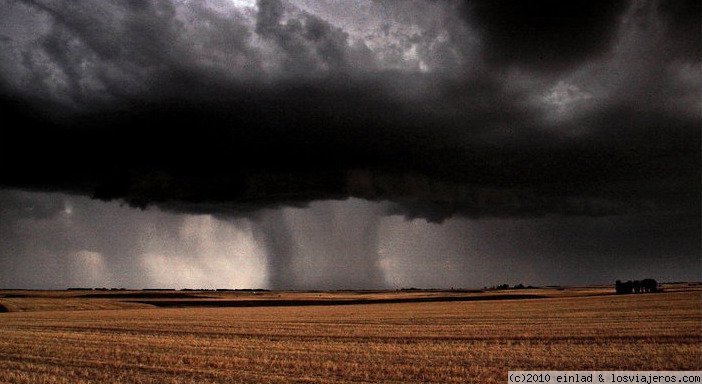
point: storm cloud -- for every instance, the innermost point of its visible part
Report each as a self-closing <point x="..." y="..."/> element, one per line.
<point x="177" y="102"/>
<point x="435" y="110"/>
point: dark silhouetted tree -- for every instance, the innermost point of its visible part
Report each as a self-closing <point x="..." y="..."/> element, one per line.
<point x="649" y="285"/>
<point x="623" y="288"/>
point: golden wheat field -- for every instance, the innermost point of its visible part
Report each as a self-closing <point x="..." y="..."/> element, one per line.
<point x="72" y="337"/>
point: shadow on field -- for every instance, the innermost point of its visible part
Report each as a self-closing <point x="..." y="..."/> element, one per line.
<point x="300" y="303"/>
<point x="3" y="309"/>
<point x="144" y="295"/>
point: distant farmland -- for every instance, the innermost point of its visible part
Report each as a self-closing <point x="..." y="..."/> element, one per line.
<point x="138" y="337"/>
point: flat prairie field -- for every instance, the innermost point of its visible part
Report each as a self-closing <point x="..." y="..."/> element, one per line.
<point x="344" y="337"/>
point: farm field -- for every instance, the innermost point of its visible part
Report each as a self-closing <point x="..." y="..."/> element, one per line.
<point x="336" y="337"/>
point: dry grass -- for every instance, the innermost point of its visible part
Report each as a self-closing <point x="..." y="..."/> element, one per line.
<point x="473" y="341"/>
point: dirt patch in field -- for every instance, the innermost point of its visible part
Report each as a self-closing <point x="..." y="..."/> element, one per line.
<point x="298" y="303"/>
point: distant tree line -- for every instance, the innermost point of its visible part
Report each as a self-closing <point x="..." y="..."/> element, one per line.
<point x="506" y="286"/>
<point x="636" y="286"/>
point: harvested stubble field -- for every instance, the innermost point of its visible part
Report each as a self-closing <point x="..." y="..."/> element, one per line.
<point x="66" y="337"/>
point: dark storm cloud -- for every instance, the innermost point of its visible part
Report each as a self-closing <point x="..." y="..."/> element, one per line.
<point x="307" y="41"/>
<point x="202" y="107"/>
<point x="545" y="35"/>
<point x="684" y="22"/>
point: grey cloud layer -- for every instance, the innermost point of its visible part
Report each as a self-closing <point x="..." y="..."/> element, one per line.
<point x="54" y="240"/>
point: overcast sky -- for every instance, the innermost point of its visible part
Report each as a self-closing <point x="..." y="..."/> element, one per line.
<point x="349" y="144"/>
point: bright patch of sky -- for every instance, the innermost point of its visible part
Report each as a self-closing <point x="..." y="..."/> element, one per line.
<point x="244" y="3"/>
